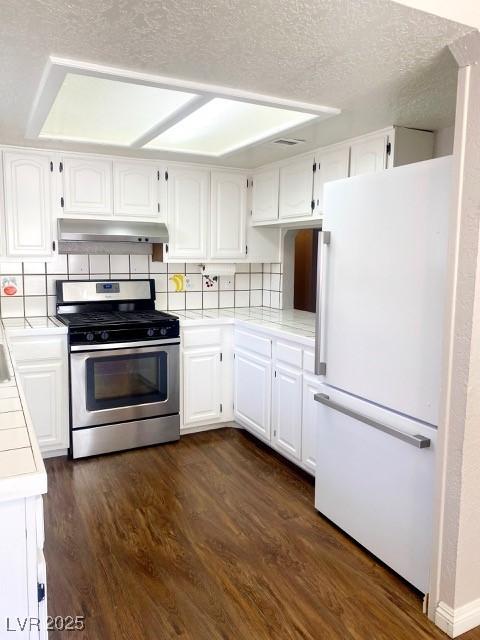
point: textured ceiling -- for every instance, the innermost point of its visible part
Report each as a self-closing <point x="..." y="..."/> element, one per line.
<point x="378" y="61"/>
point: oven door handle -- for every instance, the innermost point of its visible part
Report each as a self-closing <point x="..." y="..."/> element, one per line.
<point x="123" y="345"/>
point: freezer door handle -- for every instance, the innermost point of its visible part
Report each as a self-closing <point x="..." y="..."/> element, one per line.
<point x="320" y="367"/>
<point x="421" y="442"/>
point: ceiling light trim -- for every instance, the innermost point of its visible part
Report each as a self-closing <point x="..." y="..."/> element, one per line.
<point x="166" y="82"/>
<point x="167" y="123"/>
<point x="49" y="87"/>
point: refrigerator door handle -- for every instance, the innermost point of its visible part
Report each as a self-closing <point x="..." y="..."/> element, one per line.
<point x="419" y="441"/>
<point x="320" y="367"/>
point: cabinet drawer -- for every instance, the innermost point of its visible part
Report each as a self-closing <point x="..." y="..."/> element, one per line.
<point x="289" y="353"/>
<point x="253" y="342"/>
<point x="308" y="361"/>
<point x="201" y="336"/>
<point x="29" y="350"/>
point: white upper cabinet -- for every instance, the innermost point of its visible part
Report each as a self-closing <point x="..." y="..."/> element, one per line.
<point x="369" y="155"/>
<point x="296" y="189"/>
<point x="228" y="215"/>
<point x="265" y="195"/>
<point x="188" y="206"/>
<point x="331" y="165"/>
<point x="88" y="186"/>
<point x="136" y="189"/>
<point x="28" y="204"/>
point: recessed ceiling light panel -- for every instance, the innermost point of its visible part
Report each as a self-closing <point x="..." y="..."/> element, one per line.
<point x="88" y="103"/>
<point x="222" y="126"/>
<point x="104" y="111"/>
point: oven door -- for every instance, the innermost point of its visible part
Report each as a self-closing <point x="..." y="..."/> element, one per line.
<point x="110" y="385"/>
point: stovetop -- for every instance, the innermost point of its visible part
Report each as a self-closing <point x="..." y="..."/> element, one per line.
<point x="119" y="327"/>
<point x="93" y="319"/>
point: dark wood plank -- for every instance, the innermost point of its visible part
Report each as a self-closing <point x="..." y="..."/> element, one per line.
<point x="213" y="537"/>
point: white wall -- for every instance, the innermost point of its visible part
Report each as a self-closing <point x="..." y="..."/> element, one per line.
<point x="455" y="588"/>
<point x="463" y="11"/>
<point x="443" y="143"/>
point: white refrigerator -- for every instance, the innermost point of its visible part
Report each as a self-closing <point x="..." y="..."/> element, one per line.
<point x="382" y="295"/>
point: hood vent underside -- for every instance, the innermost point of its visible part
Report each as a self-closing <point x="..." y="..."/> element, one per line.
<point x="76" y="230"/>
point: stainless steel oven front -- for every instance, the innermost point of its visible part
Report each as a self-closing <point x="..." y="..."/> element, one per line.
<point x="118" y="383"/>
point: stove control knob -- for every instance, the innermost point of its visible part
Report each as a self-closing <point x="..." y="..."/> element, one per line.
<point x="150" y="332"/>
<point x="104" y="335"/>
<point x="163" y="332"/>
<point x="89" y="336"/>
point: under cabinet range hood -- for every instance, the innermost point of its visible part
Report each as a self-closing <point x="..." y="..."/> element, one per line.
<point x="77" y="230"/>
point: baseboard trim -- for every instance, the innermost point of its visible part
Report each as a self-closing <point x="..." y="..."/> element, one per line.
<point x="454" y="622"/>
<point x="54" y="453"/>
<point x="184" y="431"/>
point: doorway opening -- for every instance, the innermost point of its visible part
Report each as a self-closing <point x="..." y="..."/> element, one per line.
<point x="305" y="270"/>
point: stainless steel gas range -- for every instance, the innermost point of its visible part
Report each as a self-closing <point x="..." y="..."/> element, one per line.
<point x="124" y="365"/>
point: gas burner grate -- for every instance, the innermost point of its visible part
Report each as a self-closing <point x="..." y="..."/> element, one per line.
<point x="104" y="318"/>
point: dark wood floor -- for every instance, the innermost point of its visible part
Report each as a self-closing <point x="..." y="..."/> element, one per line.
<point x="211" y="537"/>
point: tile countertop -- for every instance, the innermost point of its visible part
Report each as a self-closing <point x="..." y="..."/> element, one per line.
<point x="284" y="323"/>
<point x="33" y="326"/>
<point x="22" y="472"/>
<point x="280" y="322"/>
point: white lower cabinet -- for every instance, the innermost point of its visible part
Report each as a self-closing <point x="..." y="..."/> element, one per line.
<point x="207" y="372"/>
<point x="311" y="386"/>
<point x="202" y="380"/>
<point x="42" y="366"/>
<point x="253" y="393"/>
<point x="23" y="605"/>
<point x="274" y="388"/>
<point x="287" y="410"/>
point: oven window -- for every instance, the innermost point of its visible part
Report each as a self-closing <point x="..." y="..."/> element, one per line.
<point x="121" y="381"/>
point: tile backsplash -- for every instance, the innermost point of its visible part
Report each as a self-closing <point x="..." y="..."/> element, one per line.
<point x="31" y="285"/>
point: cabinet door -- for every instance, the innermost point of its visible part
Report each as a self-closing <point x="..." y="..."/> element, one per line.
<point x="287" y="410"/>
<point x="188" y="205"/>
<point x="136" y="189"/>
<point x="331" y="165"/>
<point x="15" y="580"/>
<point x="87" y="186"/>
<point x="28" y="206"/>
<point x="368" y="156"/>
<point x="265" y="195"/>
<point x="44" y="385"/>
<point x="296" y="189"/>
<point x="228" y="215"/>
<point x="252" y="395"/>
<point x="311" y="386"/>
<point x="201" y="386"/>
